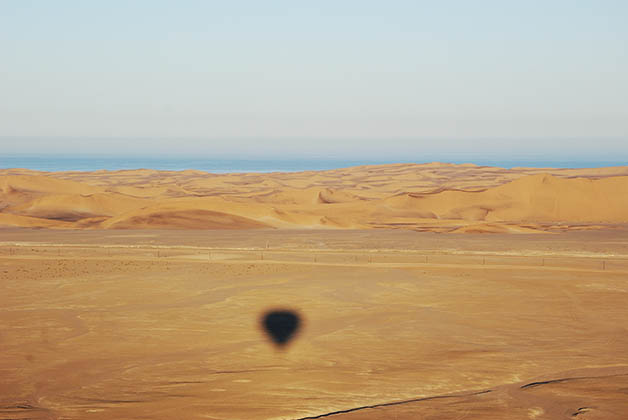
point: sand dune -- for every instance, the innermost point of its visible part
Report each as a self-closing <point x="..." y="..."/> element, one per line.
<point x="43" y="184"/>
<point x="73" y="207"/>
<point x="185" y="219"/>
<point x="535" y="198"/>
<point x="431" y="197"/>
<point x="25" y="221"/>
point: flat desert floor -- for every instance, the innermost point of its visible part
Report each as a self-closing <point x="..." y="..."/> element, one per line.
<point x="397" y="325"/>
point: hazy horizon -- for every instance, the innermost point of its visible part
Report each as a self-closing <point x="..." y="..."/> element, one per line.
<point x="333" y="78"/>
<point x="76" y="162"/>
<point x="382" y="150"/>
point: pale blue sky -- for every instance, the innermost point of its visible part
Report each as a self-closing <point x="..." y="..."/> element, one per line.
<point x="317" y="77"/>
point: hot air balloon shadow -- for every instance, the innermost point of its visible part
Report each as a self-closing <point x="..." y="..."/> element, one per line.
<point x="281" y="326"/>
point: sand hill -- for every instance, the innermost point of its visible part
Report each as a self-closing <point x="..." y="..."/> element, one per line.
<point x="431" y="197"/>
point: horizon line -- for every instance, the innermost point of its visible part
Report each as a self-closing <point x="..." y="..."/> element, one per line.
<point x="349" y="165"/>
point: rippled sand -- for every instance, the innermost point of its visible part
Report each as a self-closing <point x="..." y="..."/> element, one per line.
<point x="434" y="197"/>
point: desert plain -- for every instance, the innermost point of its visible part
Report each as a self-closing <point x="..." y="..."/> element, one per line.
<point x="426" y="291"/>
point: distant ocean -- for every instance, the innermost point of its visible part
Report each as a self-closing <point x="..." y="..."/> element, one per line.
<point x="92" y="163"/>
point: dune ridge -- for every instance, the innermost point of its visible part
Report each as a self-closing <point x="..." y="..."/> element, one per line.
<point x="426" y="197"/>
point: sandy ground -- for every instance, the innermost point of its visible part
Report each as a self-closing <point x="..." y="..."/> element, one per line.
<point x="434" y="197"/>
<point x="398" y="325"/>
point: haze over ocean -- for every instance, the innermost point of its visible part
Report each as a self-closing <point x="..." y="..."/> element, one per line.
<point x="223" y="165"/>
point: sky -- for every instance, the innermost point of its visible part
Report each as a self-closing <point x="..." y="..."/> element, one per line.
<point x="374" y="79"/>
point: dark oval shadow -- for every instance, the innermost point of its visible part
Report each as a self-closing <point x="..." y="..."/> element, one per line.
<point x="281" y="325"/>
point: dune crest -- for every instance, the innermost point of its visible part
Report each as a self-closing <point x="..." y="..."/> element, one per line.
<point x="429" y="197"/>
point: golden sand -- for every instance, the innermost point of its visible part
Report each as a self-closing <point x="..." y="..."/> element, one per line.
<point x="398" y="325"/>
<point x="102" y="316"/>
<point x="431" y="197"/>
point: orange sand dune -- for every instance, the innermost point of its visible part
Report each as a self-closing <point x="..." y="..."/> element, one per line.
<point x="25" y="221"/>
<point x="72" y="207"/>
<point x="430" y="197"/>
<point x="43" y="184"/>
<point x="541" y="198"/>
<point x="185" y="219"/>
